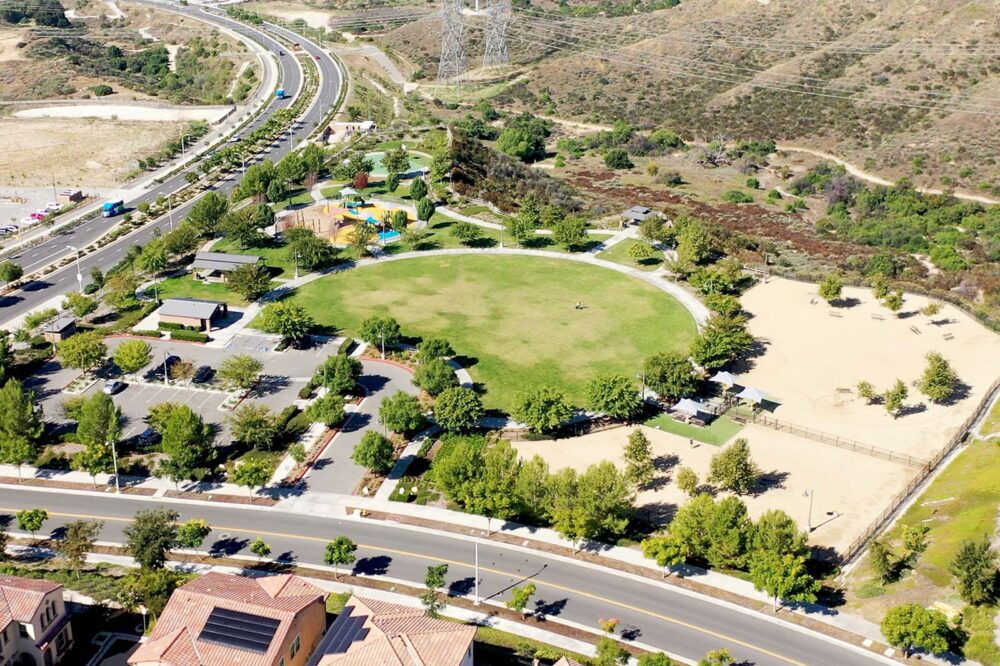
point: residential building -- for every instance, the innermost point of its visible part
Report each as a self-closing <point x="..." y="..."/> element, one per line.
<point x="378" y="633"/>
<point x="227" y="619"/>
<point x="192" y="312"/>
<point x="215" y="266"/>
<point x="36" y="628"/>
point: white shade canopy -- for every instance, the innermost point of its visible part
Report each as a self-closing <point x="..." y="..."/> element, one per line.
<point x="348" y="191"/>
<point x="723" y="378"/>
<point x="692" y="407"/>
<point x="752" y="394"/>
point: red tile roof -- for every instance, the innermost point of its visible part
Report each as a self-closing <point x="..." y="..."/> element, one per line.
<point x="175" y="642"/>
<point x="20" y="598"/>
<point x="399" y="636"/>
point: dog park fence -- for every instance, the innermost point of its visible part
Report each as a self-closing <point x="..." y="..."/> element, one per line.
<point x="883" y="519"/>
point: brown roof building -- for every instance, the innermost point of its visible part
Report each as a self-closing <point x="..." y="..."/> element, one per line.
<point x="378" y="633"/>
<point x="34" y="624"/>
<point x="221" y="619"/>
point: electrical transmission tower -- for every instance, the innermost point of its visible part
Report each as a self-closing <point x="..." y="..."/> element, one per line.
<point x="453" y="61"/>
<point x="499" y="18"/>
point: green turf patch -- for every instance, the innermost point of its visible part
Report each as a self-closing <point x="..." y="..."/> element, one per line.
<point x="275" y="256"/>
<point x="300" y="198"/>
<point x="512" y="317"/>
<point x="991" y="424"/>
<point x="186" y="286"/>
<point x="720" y="431"/>
<point x="982" y="646"/>
<point x="618" y="253"/>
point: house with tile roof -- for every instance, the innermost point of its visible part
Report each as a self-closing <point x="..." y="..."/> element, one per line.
<point x="377" y="633"/>
<point x="220" y="619"/>
<point x="34" y="625"/>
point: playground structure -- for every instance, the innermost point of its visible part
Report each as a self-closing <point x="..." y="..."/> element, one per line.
<point x="337" y="219"/>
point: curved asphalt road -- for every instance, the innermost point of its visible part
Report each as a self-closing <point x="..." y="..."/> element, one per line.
<point x="685" y="624"/>
<point x="64" y="280"/>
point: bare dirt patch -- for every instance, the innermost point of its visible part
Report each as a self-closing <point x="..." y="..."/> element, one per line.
<point x="84" y="153"/>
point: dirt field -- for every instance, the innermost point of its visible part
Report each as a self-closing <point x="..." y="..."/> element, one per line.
<point x="84" y="153"/>
<point x="292" y="11"/>
<point x="809" y="354"/>
<point x="847" y="496"/>
<point x="126" y="112"/>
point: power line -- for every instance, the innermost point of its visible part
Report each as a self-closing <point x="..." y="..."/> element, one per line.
<point x="453" y="62"/>
<point x="499" y="15"/>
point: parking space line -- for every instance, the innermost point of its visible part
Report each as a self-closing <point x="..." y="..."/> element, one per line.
<point x="156" y="394"/>
<point x="210" y="396"/>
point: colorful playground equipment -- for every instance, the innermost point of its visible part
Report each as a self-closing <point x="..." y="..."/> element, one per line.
<point x="336" y="220"/>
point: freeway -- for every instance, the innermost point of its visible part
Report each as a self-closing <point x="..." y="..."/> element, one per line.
<point x="64" y="280"/>
<point x="666" y="617"/>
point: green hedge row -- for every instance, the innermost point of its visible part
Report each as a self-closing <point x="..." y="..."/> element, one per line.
<point x="189" y="336"/>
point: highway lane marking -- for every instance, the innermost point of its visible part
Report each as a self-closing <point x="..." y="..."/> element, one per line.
<point x="394" y="551"/>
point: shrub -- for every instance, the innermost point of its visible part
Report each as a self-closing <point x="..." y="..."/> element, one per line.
<point x="189" y="336"/>
<point x="345" y="346"/>
<point x="617" y="158"/>
<point x="736" y="197"/>
<point x="145" y="333"/>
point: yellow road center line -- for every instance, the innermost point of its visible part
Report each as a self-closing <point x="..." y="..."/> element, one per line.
<point x="394" y="551"/>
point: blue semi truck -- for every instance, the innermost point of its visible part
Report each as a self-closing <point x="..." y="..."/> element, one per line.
<point x="112" y="208"/>
<point x="280" y="93"/>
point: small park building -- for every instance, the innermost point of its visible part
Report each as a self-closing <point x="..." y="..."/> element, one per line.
<point x="216" y="266"/>
<point x="192" y="312"/>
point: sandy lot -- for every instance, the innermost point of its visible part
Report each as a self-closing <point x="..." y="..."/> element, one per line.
<point x="126" y="112"/>
<point x="811" y="353"/>
<point x="314" y="18"/>
<point x="87" y="153"/>
<point x="847" y="495"/>
<point x="8" y="45"/>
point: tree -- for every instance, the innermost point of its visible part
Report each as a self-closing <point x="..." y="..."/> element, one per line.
<point x="603" y="502"/>
<point x="866" y="391"/>
<point x="687" y="480"/>
<point x="520" y="229"/>
<point x="4" y="541"/>
<point x="150" y="535"/>
<point x="98" y="429"/>
<point x="491" y="492"/>
<point x="435" y="376"/>
<point x="519" y="598"/>
<point x="434" y="581"/>
<point x="432" y="348"/>
<point x="20" y="424"/>
<point x="914" y="542"/>
<point x="615" y="395"/>
<point x="776" y="532"/>
<point x="287" y="319"/>
<point x="84" y="351"/>
<point x="522" y="144"/>
<point x="252" y="472"/>
<point x="208" y="211"/>
<point x="689" y="526"/>
<point x="975" y="566"/>
<point x="570" y="232"/>
<point x="425" y="209"/>
<point x="260" y="548"/>
<point x="729" y="533"/>
<point x="309" y="250"/>
<point x="931" y="310"/>
<point x="251" y="281"/>
<point x="185" y="438"/>
<point x="78" y="540"/>
<point x="543" y="408"/>
<point x="657" y="659"/>
<point x="339" y="552"/>
<point x="610" y="653"/>
<point x="362" y="238"/>
<point x="192" y="533"/>
<point x="418" y="189"/>
<point x="639" y="252"/>
<point x="653" y="230"/>
<point x="894" y="301"/>
<point x="339" y="373"/>
<point x="149" y="588"/>
<point x="458" y="409"/>
<point x="467" y="232"/>
<point x="396" y="161"/>
<point x="694" y="242"/>
<point x="31" y="520"/>
<point x="717" y="658"/>
<point x="374" y="452"/>
<point x="911" y="626"/>
<point x="784" y="577"/>
<point x="638" y="456"/>
<point x="9" y="272"/>
<point x="391" y="182"/>
<point x="722" y="340"/>
<point x="733" y="468"/>
<point x="671" y="375"/>
<point x="255" y="425"/>
<point x="380" y="330"/>
<point x="133" y="355"/>
<point x="241" y="371"/>
<point x="831" y="288"/>
<point x="664" y="550"/>
<point x="939" y="382"/>
<point x="243" y="229"/>
<point x="402" y="413"/>
<point x="882" y="560"/>
<point x="894" y="397"/>
<point x="80" y="305"/>
<point x="328" y="410"/>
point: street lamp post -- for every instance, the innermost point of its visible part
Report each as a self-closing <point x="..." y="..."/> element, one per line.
<point x="79" y="271"/>
<point x="170" y="209"/>
<point x="381" y="337"/>
<point x="166" y="370"/>
<point x="809" y="518"/>
<point x="296" y="265"/>
<point x="114" y="461"/>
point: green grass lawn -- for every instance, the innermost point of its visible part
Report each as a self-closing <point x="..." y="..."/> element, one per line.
<point x="514" y="317"/>
<point x="186" y="286"/>
<point x="718" y="433"/>
<point x="991" y="424"/>
<point x="299" y="198"/>
<point x="618" y="253"/>
<point x="275" y="256"/>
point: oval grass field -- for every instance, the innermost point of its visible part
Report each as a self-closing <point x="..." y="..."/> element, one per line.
<point x="512" y="318"/>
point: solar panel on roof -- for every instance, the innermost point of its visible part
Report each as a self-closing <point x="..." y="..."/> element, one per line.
<point x="239" y="630"/>
<point x="346" y="630"/>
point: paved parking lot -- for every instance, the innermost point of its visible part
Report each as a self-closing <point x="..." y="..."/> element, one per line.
<point x="136" y="400"/>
